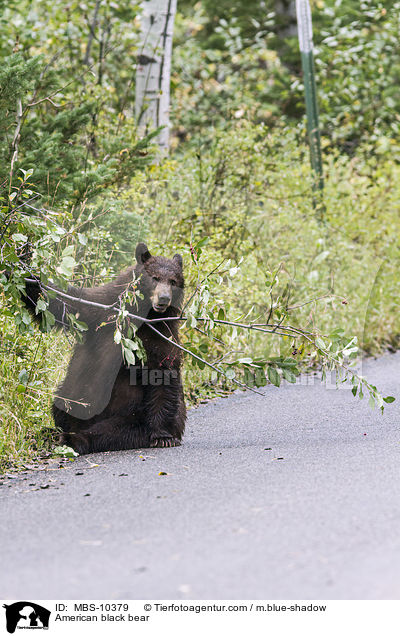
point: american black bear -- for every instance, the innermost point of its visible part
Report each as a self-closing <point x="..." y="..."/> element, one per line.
<point x="102" y="403"/>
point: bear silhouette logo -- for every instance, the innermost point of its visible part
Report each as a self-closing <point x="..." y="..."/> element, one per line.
<point x="26" y="615"/>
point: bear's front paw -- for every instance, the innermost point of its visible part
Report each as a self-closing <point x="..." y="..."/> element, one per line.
<point x="164" y="442"/>
<point x="78" y="442"/>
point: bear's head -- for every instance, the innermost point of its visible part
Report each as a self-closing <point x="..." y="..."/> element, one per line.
<point x="160" y="278"/>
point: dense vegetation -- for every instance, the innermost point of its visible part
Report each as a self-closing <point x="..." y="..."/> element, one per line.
<point x="79" y="188"/>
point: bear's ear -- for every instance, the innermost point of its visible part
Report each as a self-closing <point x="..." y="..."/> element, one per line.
<point x="178" y="259"/>
<point x="142" y="253"/>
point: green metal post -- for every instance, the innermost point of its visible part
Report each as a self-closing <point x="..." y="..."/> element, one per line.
<point x="304" y="25"/>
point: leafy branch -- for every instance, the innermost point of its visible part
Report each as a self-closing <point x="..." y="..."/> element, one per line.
<point x="336" y="355"/>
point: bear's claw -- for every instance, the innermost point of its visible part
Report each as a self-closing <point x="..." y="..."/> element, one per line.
<point x="164" y="442"/>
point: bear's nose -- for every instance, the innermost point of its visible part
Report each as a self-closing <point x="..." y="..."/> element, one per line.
<point x="164" y="299"/>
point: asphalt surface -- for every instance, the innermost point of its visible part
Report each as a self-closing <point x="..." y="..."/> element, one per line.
<point x="290" y="495"/>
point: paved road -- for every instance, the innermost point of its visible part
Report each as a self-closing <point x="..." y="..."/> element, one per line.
<point x="292" y="495"/>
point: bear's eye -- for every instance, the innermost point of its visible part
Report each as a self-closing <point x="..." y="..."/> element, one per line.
<point x="172" y="282"/>
<point x="156" y="279"/>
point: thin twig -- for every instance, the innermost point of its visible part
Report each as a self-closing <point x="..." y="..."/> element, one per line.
<point x="254" y="327"/>
<point x="15" y="141"/>
<point x="92" y="34"/>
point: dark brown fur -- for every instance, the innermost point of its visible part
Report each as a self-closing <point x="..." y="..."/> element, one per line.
<point x="97" y="406"/>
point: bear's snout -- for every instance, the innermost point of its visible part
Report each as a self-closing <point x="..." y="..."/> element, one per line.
<point x="162" y="298"/>
<point x="165" y="299"/>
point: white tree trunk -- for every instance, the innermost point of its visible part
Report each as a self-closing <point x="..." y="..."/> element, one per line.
<point x="154" y="68"/>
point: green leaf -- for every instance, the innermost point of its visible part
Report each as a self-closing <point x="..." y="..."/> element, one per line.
<point x="129" y="356"/>
<point x="20" y="238"/>
<point x="202" y="242"/>
<point x="68" y="251"/>
<point x="289" y="376"/>
<point x="26" y="319"/>
<point x="41" y="305"/>
<point x="389" y="399"/>
<point x="49" y="317"/>
<point x="191" y="321"/>
<point x="65" y="451"/>
<point x="260" y="379"/>
<point x="80" y="325"/>
<point x="273" y="376"/>
<point x="23" y="377"/>
<point x="213" y="376"/>
<point x="117" y="336"/>
<point x="66" y="266"/>
<point x="350" y="352"/>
